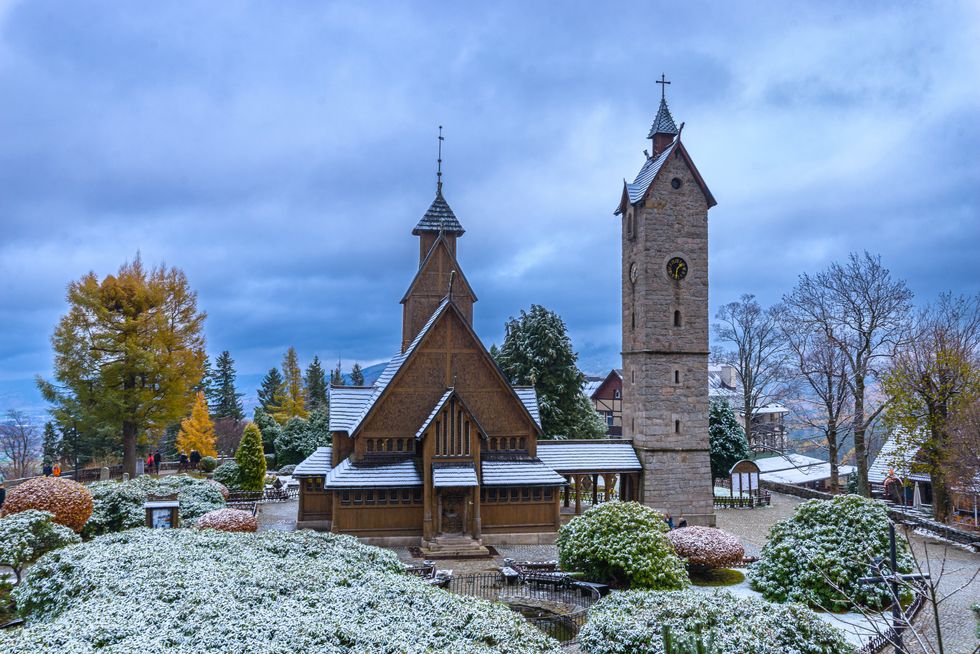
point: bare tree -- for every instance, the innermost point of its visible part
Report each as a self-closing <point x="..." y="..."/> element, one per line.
<point x="758" y="353"/>
<point x="964" y="449"/>
<point x="825" y="404"/>
<point x="933" y="375"/>
<point x="863" y="311"/>
<point x="20" y="443"/>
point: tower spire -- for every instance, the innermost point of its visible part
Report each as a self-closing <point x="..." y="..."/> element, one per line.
<point x="664" y="129"/>
<point x="663" y="86"/>
<point x="439" y="164"/>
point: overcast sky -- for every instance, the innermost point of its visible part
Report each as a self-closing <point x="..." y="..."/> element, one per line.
<point x="280" y="154"/>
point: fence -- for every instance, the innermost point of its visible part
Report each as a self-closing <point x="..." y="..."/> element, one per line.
<point x="763" y="499"/>
<point x="557" y="607"/>
<point x="882" y="640"/>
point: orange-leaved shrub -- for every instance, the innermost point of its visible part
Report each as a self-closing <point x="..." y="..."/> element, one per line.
<point x="68" y="501"/>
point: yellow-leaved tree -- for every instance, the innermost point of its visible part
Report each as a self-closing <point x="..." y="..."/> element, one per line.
<point x="197" y="431"/>
<point x="293" y="402"/>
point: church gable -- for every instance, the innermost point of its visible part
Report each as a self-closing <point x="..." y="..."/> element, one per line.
<point x="432" y="278"/>
<point x="449" y="355"/>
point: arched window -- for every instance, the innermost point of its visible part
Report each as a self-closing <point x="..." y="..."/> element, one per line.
<point x="677" y="318"/>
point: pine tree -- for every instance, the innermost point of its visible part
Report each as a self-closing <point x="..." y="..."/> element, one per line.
<point x="726" y="439"/>
<point x="51" y="443"/>
<point x="337" y="377"/>
<point x="316" y="385"/>
<point x="272" y="392"/>
<point x="538" y="352"/>
<point x="197" y="431"/>
<point x="356" y="375"/>
<point x="294" y="400"/>
<point x="224" y="399"/>
<point x="250" y="458"/>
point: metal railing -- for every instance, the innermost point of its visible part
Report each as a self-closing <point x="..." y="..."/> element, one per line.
<point x="888" y="637"/>
<point x="557" y="606"/>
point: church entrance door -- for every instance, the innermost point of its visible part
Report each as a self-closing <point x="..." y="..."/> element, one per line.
<point x="453" y="517"/>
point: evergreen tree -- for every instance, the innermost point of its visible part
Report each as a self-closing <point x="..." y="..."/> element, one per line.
<point x="127" y="354"/>
<point x="294" y="400"/>
<point x="197" y="431"/>
<point x="726" y="439"/>
<point x="51" y="444"/>
<point x="337" y="377"/>
<point x="250" y="458"/>
<point x="316" y="385"/>
<point x="224" y="399"/>
<point x="356" y="375"/>
<point x="272" y="392"/>
<point x="269" y="427"/>
<point x="204" y="386"/>
<point x="538" y="352"/>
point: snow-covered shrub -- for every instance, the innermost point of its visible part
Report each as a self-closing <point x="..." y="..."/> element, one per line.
<point x="225" y="493"/>
<point x="208" y="464"/>
<point x="824" y="546"/>
<point x="119" y="505"/>
<point x="27" y="535"/>
<point x="623" y="544"/>
<point x="68" y="501"/>
<point x="184" y="591"/>
<point x="228" y="520"/>
<point x="228" y="475"/>
<point x="631" y="621"/>
<point x="285" y="471"/>
<point x="706" y="547"/>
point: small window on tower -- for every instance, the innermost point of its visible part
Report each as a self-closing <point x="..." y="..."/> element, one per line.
<point x="630" y="224"/>
<point x="677" y="376"/>
<point x="676" y="183"/>
<point x="632" y="320"/>
<point x="677" y="318"/>
<point x="677" y="426"/>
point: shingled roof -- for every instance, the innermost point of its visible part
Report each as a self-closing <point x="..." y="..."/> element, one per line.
<point x="439" y="218"/>
<point x="664" y="122"/>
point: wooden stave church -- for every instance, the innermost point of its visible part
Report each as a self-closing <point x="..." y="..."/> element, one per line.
<point x="399" y="472"/>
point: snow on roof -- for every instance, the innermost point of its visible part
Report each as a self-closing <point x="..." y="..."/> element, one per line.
<point x="805" y="474"/>
<point x="315" y="464"/>
<point x="403" y="473"/>
<point x="586" y="456"/>
<point x="785" y="462"/>
<point x="529" y="398"/>
<point x="591" y="386"/>
<point x="522" y="472"/>
<point x="454" y="475"/>
<point x="892" y="457"/>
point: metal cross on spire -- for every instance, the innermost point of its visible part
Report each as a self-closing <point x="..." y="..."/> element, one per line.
<point x="663" y="86"/>
<point x="439" y="169"/>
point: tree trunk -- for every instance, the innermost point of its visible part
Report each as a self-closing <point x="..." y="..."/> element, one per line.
<point x="129" y="448"/>
<point x="832" y="455"/>
<point x="935" y="451"/>
<point x="860" y="447"/>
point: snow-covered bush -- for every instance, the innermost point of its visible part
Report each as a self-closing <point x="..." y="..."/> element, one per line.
<point x="631" y="621"/>
<point x="228" y="475"/>
<point x="68" y="501"/>
<point x="623" y="544"/>
<point x="119" y="505"/>
<point x="228" y="520"/>
<point x="26" y="536"/>
<point x="184" y="591"/>
<point x="285" y="471"/>
<point x="817" y="555"/>
<point x="706" y="547"/>
<point x="208" y="464"/>
<point x="225" y="493"/>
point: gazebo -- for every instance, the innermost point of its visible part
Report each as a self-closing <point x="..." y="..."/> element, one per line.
<point x="584" y="463"/>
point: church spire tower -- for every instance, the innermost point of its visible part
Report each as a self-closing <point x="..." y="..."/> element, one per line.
<point x="664" y="218"/>
<point x="437" y="230"/>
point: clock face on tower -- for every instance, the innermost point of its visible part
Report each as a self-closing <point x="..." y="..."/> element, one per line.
<point x="677" y="268"/>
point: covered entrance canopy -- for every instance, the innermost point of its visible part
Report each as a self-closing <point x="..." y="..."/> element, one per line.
<point x="586" y="463"/>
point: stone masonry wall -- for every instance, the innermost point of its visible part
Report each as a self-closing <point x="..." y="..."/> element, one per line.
<point x="665" y="367"/>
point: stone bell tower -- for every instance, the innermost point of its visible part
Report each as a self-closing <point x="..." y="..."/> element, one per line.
<point x="664" y="214"/>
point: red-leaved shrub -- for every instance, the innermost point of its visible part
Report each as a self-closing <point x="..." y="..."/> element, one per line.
<point x="706" y="547"/>
<point x="69" y="501"/>
<point x="228" y="520"/>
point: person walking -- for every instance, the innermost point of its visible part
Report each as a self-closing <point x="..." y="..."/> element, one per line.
<point x="46" y="469"/>
<point x="669" y="521"/>
<point x="148" y="463"/>
<point x="157" y="460"/>
<point x="195" y="459"/>
<point x="56" y="471"/>
<point x="182" y="465"/>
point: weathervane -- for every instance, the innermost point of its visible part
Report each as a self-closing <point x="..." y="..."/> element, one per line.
<point x="663" y="86"/>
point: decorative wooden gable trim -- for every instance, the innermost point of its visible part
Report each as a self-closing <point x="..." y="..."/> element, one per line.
<point x="452" y="426"/>
<point x="430" y="258"/>
<point x="445" y="309"/>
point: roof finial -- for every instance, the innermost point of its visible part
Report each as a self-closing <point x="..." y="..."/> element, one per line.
<point x="439" y="169"/>
<point x="663" y="86"/>
<point x="452" y="278"/>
